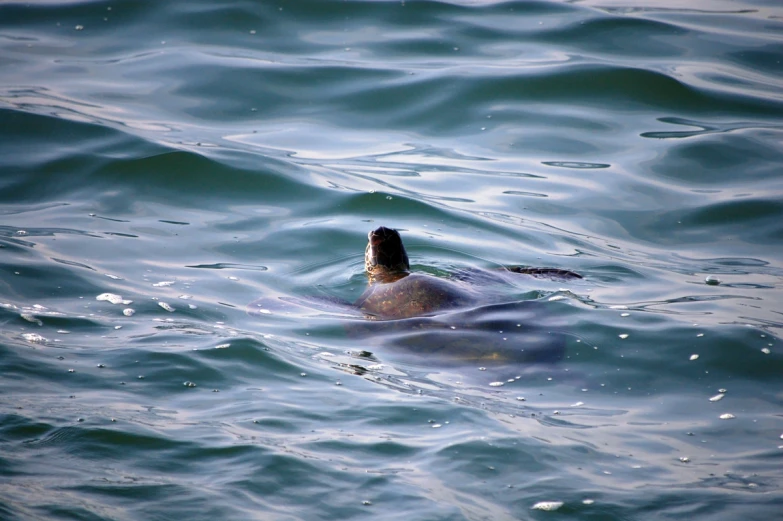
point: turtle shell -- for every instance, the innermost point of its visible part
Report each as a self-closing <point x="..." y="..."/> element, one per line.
<point x="415" y="295"/>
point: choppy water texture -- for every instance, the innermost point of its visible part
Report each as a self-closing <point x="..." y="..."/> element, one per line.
<point x="188" y="158"/>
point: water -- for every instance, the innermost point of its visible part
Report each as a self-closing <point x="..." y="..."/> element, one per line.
<point x="204" y="155"/>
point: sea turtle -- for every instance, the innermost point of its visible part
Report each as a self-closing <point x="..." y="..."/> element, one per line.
<point x="396" y="293"/>
<point x="467" y="317"/>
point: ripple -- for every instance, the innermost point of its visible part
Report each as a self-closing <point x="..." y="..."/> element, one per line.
<point x="575" y="164"/>
<point x="705" y="128"/>
<point x="526" y="194"/>
<point x="73" y="263"/>
<point x="229" y="265"/>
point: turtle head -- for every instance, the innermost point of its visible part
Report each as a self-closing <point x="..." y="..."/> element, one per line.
<point x="385" y="256"/>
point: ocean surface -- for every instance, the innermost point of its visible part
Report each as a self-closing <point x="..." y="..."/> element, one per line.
<point x="186" y="189"/>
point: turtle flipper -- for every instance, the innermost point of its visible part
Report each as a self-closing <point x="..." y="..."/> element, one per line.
<point x="555" y="273"/>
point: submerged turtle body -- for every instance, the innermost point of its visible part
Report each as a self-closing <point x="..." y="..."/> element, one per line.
<point x="466" y="318"/>
<point x="396" y="293"/>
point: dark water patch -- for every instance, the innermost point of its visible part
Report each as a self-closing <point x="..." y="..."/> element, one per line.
<point x="720" y="159"/>
<point x="56" y="151"/>
<point x="26" y="280"/>
<point x="283" y="91"/>
<point x="246" y="358"/>
<point x="276" y="473"/>
<point x="626" y="87"/>
<point x="53" y="372"/>
<point x="101" y="443"/>
<point x="167" y="372"/>
<point x="59" y="166"/>
<point x="764" y="58"/>
<point x="21" y="429"/>
<point x="632" y="340"/>
<point x="65" y="15"/>
<point x="620" y="36"/>
<point x="734" y="217"/>
<point x="161" y="177"/>
<point x="718" y="221"/>
<point x="486" y="458"/>
<point x="128" y="492"/>
<point x="358" y="450"/>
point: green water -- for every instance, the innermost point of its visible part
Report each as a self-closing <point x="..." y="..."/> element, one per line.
<point x="193" y="157"/>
